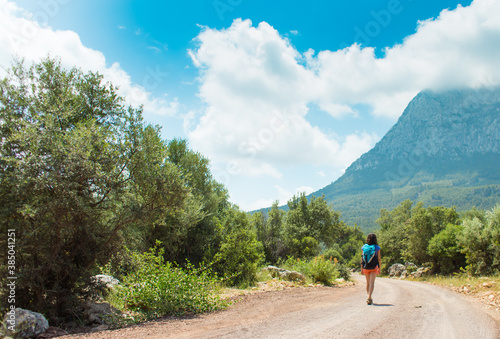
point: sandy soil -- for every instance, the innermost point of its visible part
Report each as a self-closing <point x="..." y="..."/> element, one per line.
<point x="402" y="309"/>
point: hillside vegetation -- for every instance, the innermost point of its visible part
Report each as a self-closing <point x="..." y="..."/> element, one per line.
<point x="441" y="238"/>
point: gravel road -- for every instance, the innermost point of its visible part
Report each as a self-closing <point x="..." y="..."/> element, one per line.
<point x="402" y="309"/>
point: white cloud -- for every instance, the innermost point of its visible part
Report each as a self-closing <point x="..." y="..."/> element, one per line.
<point x="257" y="94"/>
<point x="257" y="86"/>
<point x="21" y="36"/>
<point x="461" y="48"/>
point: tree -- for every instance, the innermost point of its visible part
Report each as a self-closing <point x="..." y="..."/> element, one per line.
<point x="270" y="232"/>
<point x="239" y="252"/>
<point x="190" y="234"/>
<point x="445" y="252"/>
<point x="393" y="234"/>
<point x="480" y="242"/>
<point x="311" y="219"/>
<point x="78" y="172"/>
<point x="423" y="225"/>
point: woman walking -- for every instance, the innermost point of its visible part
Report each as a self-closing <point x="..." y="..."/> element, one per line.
<point x="370" y="264"/>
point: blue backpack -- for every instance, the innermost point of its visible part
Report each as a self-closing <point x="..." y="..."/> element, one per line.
<point x="369" y="257"/>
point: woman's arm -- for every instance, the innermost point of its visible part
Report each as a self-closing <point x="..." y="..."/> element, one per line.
<point x="379" y="259"/>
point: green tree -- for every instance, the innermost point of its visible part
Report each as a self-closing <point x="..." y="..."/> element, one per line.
<point x="393" y="234"/>
<point x="75" y="178"/>
<point x="423" y="225"/>
<point x="314" y="219"/>
<point x="239" y="252"/>
<point x="445" y="253"/>
<point x="190" y="234"/>
<point x="270" y="232"/>
<point x="481" y="243"/>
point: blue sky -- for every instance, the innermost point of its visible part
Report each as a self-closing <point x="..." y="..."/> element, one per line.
<point x="281" y="96"/>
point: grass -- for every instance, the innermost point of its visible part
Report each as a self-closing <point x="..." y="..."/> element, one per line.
<point x="485" y="288"/>
<point x="474" y="284"/>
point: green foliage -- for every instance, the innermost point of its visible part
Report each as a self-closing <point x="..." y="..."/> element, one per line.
<point x="239" y="253"/>
<point x="308" y="220"/>
<point x="82" y="176"/>
<point x="334" y="252"/>
<point x="313" y="218"/>
<point x="270" y="232"/>
<point x="308" y="228"/>
<point x="71" y="179"/>
<point x="437" y="236"/>
<point x="445" y="252"/>
<point x="208" y="201"/>
<point x="480" y="242"/>
<point x="157" y="288"/>
<point x="392" y="236"/>
<point x="423" y="225"/>
<point x="319" y="269"/>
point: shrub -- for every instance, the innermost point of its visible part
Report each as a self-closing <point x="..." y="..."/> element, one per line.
<point x="158" y="288"/>
<point x="480" y="242"/>
<point x="445" y="252"/>
<point x="319" y="269"/>
<point x="239" y="253"/>
<point x="334" y="252"/>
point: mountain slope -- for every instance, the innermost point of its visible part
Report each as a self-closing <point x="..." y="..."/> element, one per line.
<point x="444" y="150"/>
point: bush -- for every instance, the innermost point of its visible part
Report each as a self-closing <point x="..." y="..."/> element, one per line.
<point x="445" y="252"/>
<point x="158" y="288"/>
<point x="239" y="253"/>
<point x="319" y="269"/>
<point x="480" y="242"/>
<point x="334" y="252"/>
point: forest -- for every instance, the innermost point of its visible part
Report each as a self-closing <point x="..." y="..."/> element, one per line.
<point x="88" y="187"/>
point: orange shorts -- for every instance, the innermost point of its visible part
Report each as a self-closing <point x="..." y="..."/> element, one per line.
<point x="376" y="270"/>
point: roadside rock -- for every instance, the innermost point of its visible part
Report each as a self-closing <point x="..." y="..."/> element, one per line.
<point x="102" y="280"/>
<point x="397" y="271"/>
<point x="422" y="271"/>
<point x="52" y="332"/>
<point x="23" y="323"/>
<point x="277" y="272"/>
<point x="96" y="312"/>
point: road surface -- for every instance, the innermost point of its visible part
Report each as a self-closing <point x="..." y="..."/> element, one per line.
<point x="402" y="309"/>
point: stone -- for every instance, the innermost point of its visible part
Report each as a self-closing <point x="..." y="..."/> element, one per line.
<point x="397" y="270"/>
<point x="21" y="323"/>
<point x="422" y="271"/>
<point x="294" y="276"/>
<point x="282" y="273"/>
<point x="96" y="312"/>
<point x="99" y="328"/>
<point x="52" y="332"/>
<point x="100" y="286"/>
<point x="103" y="280"/>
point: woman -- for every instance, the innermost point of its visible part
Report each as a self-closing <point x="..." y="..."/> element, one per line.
<point x="371" y="272"/>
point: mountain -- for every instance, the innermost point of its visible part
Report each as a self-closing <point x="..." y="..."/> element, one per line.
<point x="443" y="150"/>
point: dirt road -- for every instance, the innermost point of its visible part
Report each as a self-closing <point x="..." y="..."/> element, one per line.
<point x="402" y="309"/>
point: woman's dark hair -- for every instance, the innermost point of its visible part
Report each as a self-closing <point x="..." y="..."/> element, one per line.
<point x="371" y="239"/>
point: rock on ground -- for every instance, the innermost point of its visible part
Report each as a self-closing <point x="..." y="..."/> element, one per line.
<point x="23" y="323"/>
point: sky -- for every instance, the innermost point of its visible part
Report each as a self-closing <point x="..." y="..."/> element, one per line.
<point x="281" y="96"/>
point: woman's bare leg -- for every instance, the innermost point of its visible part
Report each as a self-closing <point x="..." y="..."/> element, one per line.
<point x="367" y="276"/>
<point x="371" y="283"/>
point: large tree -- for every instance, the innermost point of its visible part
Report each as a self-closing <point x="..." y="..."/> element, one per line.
<point x="78" y="171"/>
